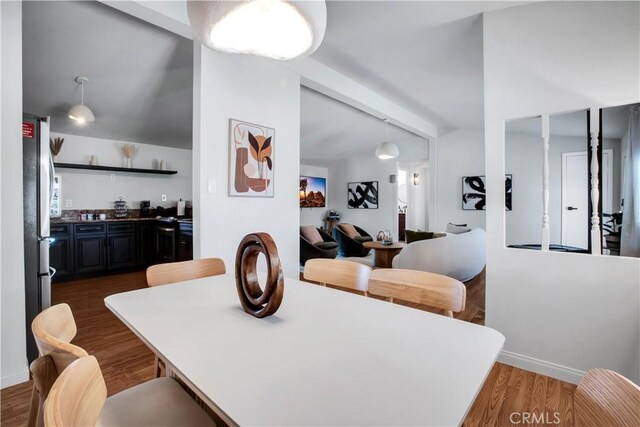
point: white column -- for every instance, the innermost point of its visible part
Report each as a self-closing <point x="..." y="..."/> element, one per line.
<point x="594" y="168"/>
<point x="545" y="182"/>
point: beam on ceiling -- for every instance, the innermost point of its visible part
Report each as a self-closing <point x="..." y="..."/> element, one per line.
<point x="172" y="16"/>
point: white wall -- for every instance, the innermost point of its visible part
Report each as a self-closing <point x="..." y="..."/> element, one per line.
<point x="524" y="162"/>
<point x="13" y="369"/>
<point x="460" y="153"/>
<point x="561" y="313"/>
<point x="259" y="91"/>
<point x="95" y="189"/>
<point x="367" y="167"/>
<point x="315" y="216"/>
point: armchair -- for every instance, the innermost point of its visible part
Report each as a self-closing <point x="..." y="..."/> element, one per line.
<point x="350" y="239"/>
<point x="327" y="248"/>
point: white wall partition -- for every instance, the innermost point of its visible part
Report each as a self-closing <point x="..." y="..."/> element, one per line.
<point x="562" y="314"/>
<point x="14" y="359"/>
<point x="258" y="91"/>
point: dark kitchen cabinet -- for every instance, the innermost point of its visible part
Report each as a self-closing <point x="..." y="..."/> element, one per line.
<point x="91" y="253"/>
<point x="144" y="240"/>
<point x="122" y="251"/>
<point x="61" y="251"/>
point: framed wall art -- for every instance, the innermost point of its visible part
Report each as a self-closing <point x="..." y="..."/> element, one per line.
<point x="362" y="195"/>
<point x="474" y="193"/>
<point x="251" y="159"/>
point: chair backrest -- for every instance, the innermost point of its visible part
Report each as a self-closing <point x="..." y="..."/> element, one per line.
<point x="78" y="395"/>
<point x="606" y="398"/>
<point x="53" y="329"/>
<point x="338" y="273"/>
<point x="461" y="256"/>
<point x="163" y="274"/>
<point x="419" y="287"/>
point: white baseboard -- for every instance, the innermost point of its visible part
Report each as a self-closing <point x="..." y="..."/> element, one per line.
<point x="542" y="367"/>
<point x="14" y="378"/>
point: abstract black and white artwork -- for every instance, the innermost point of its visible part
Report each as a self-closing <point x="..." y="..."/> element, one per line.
<point x="363" y="195"/>
<point x="474" y="193"/>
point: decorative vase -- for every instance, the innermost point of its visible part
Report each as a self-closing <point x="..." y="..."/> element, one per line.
<point x="55" y="158"/>
<point x="129" y="163"/>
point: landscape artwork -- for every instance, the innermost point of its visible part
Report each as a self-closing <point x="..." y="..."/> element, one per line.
<point x="474" y="193"/>
<point x="363" y="195"/>
<point x="251" y="159"/>
<point x="313" y="192"/>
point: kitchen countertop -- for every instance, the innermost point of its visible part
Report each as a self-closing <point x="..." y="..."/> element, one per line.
<point x="79" y="221"/>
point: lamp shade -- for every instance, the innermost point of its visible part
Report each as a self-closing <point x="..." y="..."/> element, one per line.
<point x="275" y="29"/>
<point x="81" y="114"/>
<point x="387" y="150"/>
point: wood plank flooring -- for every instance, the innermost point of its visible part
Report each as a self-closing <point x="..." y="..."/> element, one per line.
<point x="126" y="361"/>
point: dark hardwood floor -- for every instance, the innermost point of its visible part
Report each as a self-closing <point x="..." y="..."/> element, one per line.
<point x="126" y="361"/>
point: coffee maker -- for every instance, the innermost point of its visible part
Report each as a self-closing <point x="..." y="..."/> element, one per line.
<point x="145" y="209"/>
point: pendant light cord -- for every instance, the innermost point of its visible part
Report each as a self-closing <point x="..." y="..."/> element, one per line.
<point x="82" y="92"/>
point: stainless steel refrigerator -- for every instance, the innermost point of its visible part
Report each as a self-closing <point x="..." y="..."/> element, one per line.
<point x="38" y="177"/>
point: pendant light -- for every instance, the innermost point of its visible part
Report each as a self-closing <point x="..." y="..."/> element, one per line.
<point x="80" y="113"/>
<point x="387" y="150"/>
<point x="277" y="29"/>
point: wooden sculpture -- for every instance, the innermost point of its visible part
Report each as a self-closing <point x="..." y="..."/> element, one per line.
<point x="256" y="302"/>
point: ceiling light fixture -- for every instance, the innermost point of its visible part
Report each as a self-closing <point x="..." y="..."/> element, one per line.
<point x="387" y="150"/>
<point x="80" y="113"/>
<point x="277" y="29"/>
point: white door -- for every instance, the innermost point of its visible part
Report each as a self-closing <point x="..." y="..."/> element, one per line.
<point x="575" y="199"/>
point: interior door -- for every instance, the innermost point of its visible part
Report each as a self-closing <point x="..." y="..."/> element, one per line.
<point x="574" y="199"/>
<point x="575" y="187"/>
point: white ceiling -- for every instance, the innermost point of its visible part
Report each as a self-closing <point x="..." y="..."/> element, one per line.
<point x="331" y="130"/>
<point x="141" y="77"/>
<point x="425" y="56"/>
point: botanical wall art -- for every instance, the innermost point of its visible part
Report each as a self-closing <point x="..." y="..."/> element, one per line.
<point x="474" y="193"/>
<point x="313" y="192"/>
<point x="363" y="195"/>
<point x="251" y="159"/>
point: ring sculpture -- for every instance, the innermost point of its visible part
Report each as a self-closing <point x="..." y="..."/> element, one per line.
<point x="254" y="300"/>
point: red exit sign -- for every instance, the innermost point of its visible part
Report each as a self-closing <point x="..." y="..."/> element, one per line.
<point x="28" y="130"/>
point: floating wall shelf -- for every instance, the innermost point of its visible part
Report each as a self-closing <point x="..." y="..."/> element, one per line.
<point x="112" y="169"/>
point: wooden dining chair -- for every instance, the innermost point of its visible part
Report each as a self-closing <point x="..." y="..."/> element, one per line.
<point x="164" y="274"/>
<point x="420" y="287"/>
<point x="53" y="329"/>
<point x="79" y="398"/>
<point x="173" y="272"/>
<point x="606" y="398"/>
<point x="338" y="273"/>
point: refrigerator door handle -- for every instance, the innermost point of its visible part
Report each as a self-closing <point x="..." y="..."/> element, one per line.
<point x="45" y="179"/>
<point x="45" y="291"/>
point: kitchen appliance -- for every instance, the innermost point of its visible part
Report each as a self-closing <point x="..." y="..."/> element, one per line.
<point x="145" y="209"/>
<point x="38" y="181"/>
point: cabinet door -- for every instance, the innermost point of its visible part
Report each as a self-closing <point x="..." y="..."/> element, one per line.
<point x="145" y="239"/>
<point x="61" y="256"/>
<point x="91" y="254"/>
<point x="122" y="251"/>
<point x="185" y="247"/>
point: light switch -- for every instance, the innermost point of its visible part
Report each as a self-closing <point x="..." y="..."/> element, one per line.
<point x="164" y="197"/>
<point x="212" y="187"/>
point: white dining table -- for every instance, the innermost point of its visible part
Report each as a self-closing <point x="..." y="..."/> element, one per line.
<point x="325" y="358"/>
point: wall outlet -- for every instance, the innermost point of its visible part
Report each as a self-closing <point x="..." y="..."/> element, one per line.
<point x="112" y="177"/>
<point x="164" y="197"/>
<point x="68" y="203"/>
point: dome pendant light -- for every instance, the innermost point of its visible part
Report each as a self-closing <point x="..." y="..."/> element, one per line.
<point x="387" y="150"/>
<point x="80" y="113"/>
<point x="277" y="29"/>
